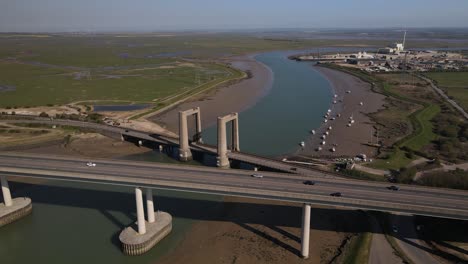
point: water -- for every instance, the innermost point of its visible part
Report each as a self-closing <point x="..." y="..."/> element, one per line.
<point x="80" y="223"/>
<point x="300" y="96"/>
<point x="119" y="108"/>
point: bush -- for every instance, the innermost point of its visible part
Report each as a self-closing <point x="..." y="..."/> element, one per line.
<point x="456" y="179"/>
<point x="406" y="175"/>
<point x="43" y="114"/>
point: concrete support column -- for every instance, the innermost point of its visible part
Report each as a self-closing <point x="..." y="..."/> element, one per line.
<point x="223" y="160"/>
<point x="305" y="231"/>
<point x="140" y="211"/>
<point x="184" y="150"/>
<point x="198" y="125"/>
<point x="6" y="191"/>
<point x="149" y="205"/>
<point x="235" y="134"/>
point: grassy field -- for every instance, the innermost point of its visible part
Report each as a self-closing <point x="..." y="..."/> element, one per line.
<point x="126" y="68"/>
<point x="37" y="85"/>
<point x="454" y="83"/>
<point x="423" y="134"/>
<point x="359" y="249"/>
<point x="63" y="68"/>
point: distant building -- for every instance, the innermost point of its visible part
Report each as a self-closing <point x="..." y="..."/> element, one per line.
<point x="396" y="47"/>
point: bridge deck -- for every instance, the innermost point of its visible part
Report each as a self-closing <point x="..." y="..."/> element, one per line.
<point x="274" y="186"/>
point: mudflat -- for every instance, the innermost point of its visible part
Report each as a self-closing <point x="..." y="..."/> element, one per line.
<point x="225" y="99"/>
<point x="347" y="140"/>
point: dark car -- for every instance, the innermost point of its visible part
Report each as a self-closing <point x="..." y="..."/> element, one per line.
<point x="294" y="169"/>
<point x="393" y="188"/>
<point x="308" y="182"/>
<point x="336" y="194"/>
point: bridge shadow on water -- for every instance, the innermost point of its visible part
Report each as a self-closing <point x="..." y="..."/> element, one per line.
<point x="277" y="222"/>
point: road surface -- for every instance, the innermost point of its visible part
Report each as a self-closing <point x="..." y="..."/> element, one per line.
<point x="273" y="186"/>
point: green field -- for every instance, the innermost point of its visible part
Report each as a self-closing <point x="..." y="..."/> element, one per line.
<point x="64" y="68"/>
<point x="37" y="85"/>
<point x="454" y="83"/>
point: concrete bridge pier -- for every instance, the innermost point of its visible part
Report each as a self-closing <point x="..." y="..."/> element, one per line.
<point x="184" y="149"/>
<point x="305" y="231"/>
<point x="6" y="191"/>
<point x="150" y="205"/>
<point x="148" y="233"/>
<point x="223" y="160"/>
<point x="140" y="211"/>
<point x="12" y="209"/>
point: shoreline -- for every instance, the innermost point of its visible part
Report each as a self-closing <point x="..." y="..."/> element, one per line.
<point x="224" y="99"/>
<point x="347" y="141"/>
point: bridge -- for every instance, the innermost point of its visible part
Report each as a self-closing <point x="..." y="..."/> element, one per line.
<point x="288" y="186"/>
<point x="177" y="143"/>
<point x="273" y="186"/>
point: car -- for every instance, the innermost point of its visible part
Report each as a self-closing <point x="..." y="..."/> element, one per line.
<point x="257" y="175"/>
<point x="294" y="169"/>
<point x="308" y="182"/>
<point x="126" y="130"/>
<point x="393" y="188"/>
<point x="91" y="164"/>
<point x="335" y="194"/>
<point x="394" y="229"/>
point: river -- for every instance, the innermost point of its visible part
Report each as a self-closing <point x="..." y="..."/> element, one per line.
<point x="80" y="223"/>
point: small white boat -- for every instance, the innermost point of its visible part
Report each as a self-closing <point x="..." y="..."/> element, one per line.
<point x="329" y="110"/>
<point x="329" y="128"/>
<point x="325" y="120"/>
<point x="332" y="118"/>
<point x="349" y="91"/>
<point x="326" y="133"/>
<point x="348" y="125"/>
<point x="319" y="148"/>
<point x="302" y="144"/>
<point x="323" y="137"/>
<point x="334" y="102"/>
<point x="313" y="132"/>
<point x="338" y="115"/>
<point x="333" y="149"/>
<point x="352" y="121"/>
<point x="360" y="103"/>
<point x="323" y="142"/>
<point x="335" y="96"/>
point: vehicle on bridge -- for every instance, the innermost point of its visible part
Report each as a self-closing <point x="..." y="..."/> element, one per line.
<point x="91" y="164"/>
<point x="393" y="188"/>
<point x="308" y="183"/>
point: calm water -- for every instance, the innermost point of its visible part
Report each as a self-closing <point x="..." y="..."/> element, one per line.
<point x="80" y="223"/>
<point x="300" y="96"/>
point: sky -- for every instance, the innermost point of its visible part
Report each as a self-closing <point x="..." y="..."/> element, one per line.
<point x="170" y="15"/>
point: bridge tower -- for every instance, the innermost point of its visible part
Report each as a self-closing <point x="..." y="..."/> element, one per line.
<point x="223" y="160"/>
<point x="184" y="149"/>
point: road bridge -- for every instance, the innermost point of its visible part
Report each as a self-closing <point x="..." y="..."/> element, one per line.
<point x="273" y="186"/>
<point x="167" y="140"/>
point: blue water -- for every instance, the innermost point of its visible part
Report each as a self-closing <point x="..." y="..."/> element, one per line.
<point x="298" y="99"/>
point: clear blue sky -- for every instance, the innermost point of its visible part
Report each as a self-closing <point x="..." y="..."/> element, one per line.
<point x="154" y="15"/>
